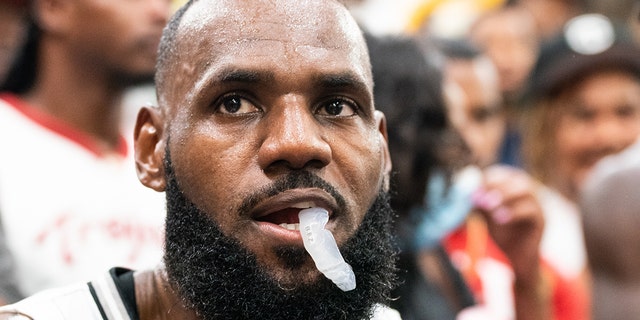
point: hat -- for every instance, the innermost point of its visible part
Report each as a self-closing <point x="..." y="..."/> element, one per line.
<point x="587" y="44"/>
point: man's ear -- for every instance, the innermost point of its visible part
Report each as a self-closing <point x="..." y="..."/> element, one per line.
<point x="149" y="147"/>
<point x="53" y="16"/>
<point x="381" y="122"/>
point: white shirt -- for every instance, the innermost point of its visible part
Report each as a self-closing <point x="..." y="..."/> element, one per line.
<point x="68" y="212"/>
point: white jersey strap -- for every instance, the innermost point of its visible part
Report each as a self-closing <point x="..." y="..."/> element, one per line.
<point x="108" y="299"/>
<point x="97" y="300"/>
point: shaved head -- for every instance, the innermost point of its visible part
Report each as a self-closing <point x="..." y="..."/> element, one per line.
<point x="280" y="22"/>
<point x="267" y="107"/>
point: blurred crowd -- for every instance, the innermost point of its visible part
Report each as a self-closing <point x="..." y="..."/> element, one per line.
<point x="513" y="127"/>
<point x="539" y="92"/>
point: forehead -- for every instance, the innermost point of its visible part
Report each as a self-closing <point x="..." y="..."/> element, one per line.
<point x="247" y="18"/>
<point x="287" y="34"/>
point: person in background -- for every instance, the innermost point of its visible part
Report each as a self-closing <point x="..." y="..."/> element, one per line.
<point x="552" y="15"/>
<point x="583" y="104"/>
<point x="421" y="142"/>
<point x="12" y="31"/>
<point x="509" y="36"/>
<point x="260" y="117"/>
<point x="479" y="247"/>
<point x="69" y="202"/>
<point x="429" y="156"/>
<point x="506" y="32"/>
<point x="473" y="98"/>
<point x="609" y="202"/>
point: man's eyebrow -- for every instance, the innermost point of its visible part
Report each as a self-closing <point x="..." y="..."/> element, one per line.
<point x="342" y="80"/>
<point x="329" y="81"/>
<point x="247" y="76"/>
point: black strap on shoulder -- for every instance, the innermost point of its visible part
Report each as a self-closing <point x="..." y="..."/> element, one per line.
<point x="123" y="279"/>
<point x="97" y="301"/>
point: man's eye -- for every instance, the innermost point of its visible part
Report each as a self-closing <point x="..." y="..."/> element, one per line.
<point x="235" y="105"/>
<point x="337" y="108"/>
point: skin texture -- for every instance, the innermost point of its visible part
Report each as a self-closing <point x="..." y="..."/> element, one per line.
<point x="475" y="106"/>
<point x="599" y="116"/>
<point x="90" y="52"/>
<point x="260" y="97"/>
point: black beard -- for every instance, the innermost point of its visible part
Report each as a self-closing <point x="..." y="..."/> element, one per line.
<point x="220" y="279"/>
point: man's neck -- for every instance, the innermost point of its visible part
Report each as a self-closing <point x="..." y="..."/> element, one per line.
<point x="156" y="299"/>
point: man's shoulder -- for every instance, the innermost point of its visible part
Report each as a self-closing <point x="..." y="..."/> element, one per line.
<point x="66" y="303"/>
<point x="98" y="299"/>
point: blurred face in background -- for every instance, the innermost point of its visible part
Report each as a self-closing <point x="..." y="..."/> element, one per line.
<point x="119" y="37"/>
<point x="597" y="116"/>
<point x="474" y="106"/>
<point x="509" y="37"/>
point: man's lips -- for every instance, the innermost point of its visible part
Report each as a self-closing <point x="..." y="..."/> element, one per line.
<point x="281" y="211"/>
<point x="287" y="218"/>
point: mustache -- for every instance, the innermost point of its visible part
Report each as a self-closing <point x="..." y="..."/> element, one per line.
<point x="293" y="180"/>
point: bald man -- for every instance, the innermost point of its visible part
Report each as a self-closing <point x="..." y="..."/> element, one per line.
<point x="265" y="108"/>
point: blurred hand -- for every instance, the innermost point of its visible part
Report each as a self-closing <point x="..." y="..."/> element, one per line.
<point x="507" y="199"/>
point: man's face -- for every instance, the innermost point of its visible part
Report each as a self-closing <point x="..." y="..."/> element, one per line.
<point x="263" y="92"/>
<point x="118" y="36"/>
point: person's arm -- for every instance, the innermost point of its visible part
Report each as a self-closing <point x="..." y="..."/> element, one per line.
<point x="533" y="294"/>
<point x="515" y="221"/>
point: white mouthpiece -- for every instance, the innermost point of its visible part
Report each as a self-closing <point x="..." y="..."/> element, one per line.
<point x="322" y="247"/>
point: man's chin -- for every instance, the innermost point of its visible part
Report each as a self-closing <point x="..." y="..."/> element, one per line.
<point x="300" y="279"/>
<point x="293" y="268"/>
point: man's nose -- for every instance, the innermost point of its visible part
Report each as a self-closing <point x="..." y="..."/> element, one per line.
<point x="293" y="138"/>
